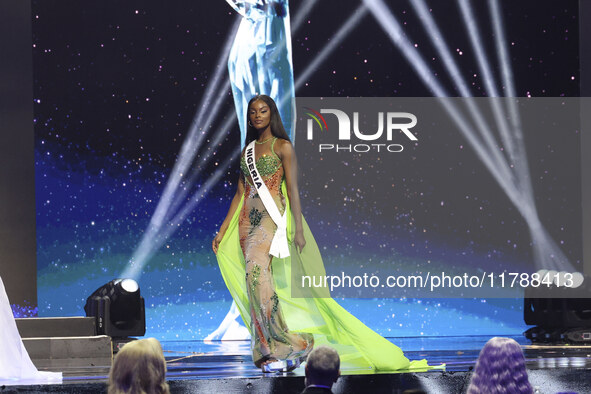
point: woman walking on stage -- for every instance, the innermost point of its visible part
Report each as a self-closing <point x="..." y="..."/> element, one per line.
<point x="263" y="240"/>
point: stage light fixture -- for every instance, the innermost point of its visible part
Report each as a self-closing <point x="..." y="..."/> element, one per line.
<point x="564" y="318"/>
<point x="118" y="308"/>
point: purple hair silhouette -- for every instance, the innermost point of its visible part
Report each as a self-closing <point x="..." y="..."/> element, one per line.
<point x="500" y="369"/>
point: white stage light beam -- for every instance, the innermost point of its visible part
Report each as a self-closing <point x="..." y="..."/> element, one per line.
<point x="393" y="29"/>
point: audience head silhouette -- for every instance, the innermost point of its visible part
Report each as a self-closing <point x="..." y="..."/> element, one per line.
<point x="500" y="369"/>
<point x="322" y="367"/>
<point x="139" y="367"/>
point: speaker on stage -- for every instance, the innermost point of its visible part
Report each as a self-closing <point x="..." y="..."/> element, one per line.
<point x="118" y="308"/>
<point x="566" y="317"/>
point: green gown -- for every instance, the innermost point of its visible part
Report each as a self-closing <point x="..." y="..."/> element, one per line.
<point x="283" y="326"/>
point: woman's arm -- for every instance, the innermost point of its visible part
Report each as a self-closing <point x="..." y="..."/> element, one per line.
<point x="235" y="201"/>
<point x="289" y="161"/>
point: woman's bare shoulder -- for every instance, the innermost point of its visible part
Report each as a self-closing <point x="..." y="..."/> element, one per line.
<point x="283" y="147"/>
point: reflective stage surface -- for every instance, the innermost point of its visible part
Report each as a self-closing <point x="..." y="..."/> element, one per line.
<point x="227" y="367"/>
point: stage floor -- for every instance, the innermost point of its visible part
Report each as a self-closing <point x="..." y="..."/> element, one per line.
<point x="227" y="367"/>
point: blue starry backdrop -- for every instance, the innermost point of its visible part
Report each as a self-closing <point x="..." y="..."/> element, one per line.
<point x="117" y="86"/>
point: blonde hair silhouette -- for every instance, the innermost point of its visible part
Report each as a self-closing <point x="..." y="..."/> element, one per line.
<point x="139" y="368"/>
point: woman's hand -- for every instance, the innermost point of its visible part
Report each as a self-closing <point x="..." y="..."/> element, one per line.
<point x="216" y="242"/>
<point x="299" y="240"/>
<point x="289" y="161"/>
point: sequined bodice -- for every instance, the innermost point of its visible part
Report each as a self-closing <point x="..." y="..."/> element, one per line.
<point x="267" y="164"/>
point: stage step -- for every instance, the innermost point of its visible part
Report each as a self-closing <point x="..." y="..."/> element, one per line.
<point x="58" y="353"/>
<point x="45" y="327"/>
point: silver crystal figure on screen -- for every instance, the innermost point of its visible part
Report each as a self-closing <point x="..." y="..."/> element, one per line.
<point x="260" y="59"/>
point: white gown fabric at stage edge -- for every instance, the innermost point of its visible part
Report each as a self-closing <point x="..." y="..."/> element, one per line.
<point x="16" y="366"/>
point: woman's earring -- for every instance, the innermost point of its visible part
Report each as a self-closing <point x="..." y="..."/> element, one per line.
<point x="250" y="124"/>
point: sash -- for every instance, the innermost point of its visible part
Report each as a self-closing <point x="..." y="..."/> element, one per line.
<point x="279" y="245"/>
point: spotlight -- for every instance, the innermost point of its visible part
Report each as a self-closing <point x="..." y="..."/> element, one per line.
<point x="118" y="309"/>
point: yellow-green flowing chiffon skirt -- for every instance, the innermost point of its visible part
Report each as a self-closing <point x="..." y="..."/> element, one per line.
<point x="359" y="347"/>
